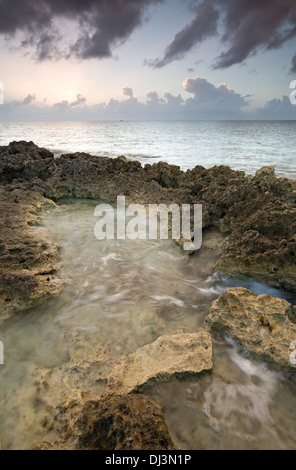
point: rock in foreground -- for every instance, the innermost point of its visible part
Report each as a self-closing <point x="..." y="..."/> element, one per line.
<point x="169" y="356"/>
<point x="261" y="324"/>
<point x="130" y="422"/>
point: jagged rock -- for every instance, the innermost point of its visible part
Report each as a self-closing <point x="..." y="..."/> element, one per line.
<point x="128" y="422"/>
<point x="266" y="171"/>
<point x="24" y="161"/>
<point x="169" y="356"/>
<point x="262" y="324"/>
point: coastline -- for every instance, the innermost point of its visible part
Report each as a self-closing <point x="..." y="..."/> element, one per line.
<point x="255" y="214"/>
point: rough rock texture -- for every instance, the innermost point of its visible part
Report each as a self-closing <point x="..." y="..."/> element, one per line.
<point x="127" y="422"/>
<point x="256" y="214"/>
<point x="103" y="412"/>
<point x="29" y="261"/>
<point x="168" y="356"/>
<point x="262" y="324"/>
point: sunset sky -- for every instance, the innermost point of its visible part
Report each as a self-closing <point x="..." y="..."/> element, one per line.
<point x="147" y="59"/>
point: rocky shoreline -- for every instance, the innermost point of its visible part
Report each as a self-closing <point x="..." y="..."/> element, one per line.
<point x="257" y="217"/>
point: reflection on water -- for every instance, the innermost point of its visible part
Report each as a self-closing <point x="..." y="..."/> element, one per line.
<point x="123" y="295"/>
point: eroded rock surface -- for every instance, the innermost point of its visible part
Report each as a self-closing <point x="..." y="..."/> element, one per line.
<point x="29" y="261"/>
<point x="91" y="411"/>
<point x="169" y="356"/>
<point x="127" y="422"/>
<point x="262" y="324"/>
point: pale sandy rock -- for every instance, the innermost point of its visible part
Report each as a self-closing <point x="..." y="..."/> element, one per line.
<point x="261" y="324"/>
<point x="168" y="356"/>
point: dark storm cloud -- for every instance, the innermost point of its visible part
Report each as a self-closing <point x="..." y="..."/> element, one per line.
<point x="247" y="27"/>
<point x="101" y="24"/>
<point x="251" y="25"/>
<point x="203" y="25"/>
<point x="242" y="27"/>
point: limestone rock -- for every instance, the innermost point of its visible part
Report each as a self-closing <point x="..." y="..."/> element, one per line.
<point x="128" y="422"/>
<point x="28" y="259"/>
<point x="168" y="356"/>
<point x="261" y="324"/>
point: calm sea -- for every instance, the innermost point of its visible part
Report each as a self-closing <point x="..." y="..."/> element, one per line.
<point x="242" y="145"/>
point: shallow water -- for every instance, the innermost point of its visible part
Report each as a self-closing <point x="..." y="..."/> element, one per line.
<point x="123" y="295"/>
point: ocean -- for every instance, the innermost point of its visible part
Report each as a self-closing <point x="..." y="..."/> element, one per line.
<point x="242" y="145"/>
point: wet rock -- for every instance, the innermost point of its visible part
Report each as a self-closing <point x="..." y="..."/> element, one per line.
<point x="169" y="356"/>
<point x="262" y="324"/>
<point x="127" y="422"/>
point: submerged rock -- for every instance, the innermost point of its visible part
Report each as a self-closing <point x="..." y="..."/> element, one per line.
<point x="261" y="324"/>
<point x="169" y="356"/>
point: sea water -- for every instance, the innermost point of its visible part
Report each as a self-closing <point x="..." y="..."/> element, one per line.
<point x="242" y="145"/>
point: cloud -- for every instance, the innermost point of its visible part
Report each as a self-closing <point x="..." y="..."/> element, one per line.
<point x="66" y="106"/>
<point x="79" y="100"/>
<point x="28" y="100"/>
<point x="252" y="26"/>
<point x="278" y="109"/>
<point x="207" y="101"/>
<point x="247" y="26"/>
<point x="127" y="92"/>
<point x="173" y="100"/>
<point x="213" y="101"/>
<point x="152" y="96"/>
<point x="100" y="24"/>
<point x="203" y="25"/>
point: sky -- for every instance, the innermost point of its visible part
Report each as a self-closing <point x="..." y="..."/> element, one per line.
<point x="147" y="59"/>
